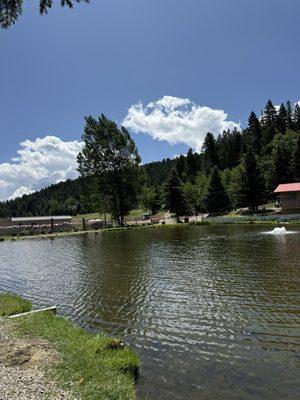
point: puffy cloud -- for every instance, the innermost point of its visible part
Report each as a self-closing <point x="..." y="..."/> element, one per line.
<point x="177" y="120"/>
<point x="20" y="191"/>
<point x="38" y="163"/>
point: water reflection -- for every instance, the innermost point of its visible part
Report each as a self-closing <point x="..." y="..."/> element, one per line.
<point x="213" y="311"/>
<point x="113" y="282"/>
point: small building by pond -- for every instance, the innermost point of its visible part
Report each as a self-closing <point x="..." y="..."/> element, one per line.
<point x="289" y="196"/>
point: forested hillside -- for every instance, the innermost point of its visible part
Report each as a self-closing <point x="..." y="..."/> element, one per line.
<point x="235" y="169"/>
<point x="61" y="198"/>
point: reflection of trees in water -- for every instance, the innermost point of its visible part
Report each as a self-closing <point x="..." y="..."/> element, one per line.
<point x="114" y="277"/>
<point x="119" y="273"/>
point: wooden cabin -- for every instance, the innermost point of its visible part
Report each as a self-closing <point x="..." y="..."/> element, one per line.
<point x="289" y="197"/>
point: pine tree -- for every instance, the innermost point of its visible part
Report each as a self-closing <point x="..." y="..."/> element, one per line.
<point x="289" y="115"/>
<point x="281" y="119"/>
<point x="255" y="132"/>
<point x="210" y="151"/>
<point x="296" y="118"/>
<point x="249" y="183"/>
<point x="269" y="123"/>
<point x="191" y="166"/>
<point x="174" y="196"/>
<point x="229" y="147"/>
<point x="282" y="168"/>
<point x="181" y="167"/>
<point x="216" y="199"/>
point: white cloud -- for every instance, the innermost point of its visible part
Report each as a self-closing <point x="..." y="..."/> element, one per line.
<point x="20" y="191"/>
<point x="38" y="164"/>
<point x="177" y="120"/>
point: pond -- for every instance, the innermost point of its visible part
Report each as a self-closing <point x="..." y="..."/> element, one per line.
<point x="213" y="311"/>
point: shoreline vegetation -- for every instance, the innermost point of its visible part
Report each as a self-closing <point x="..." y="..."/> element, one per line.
<point x="229" y="221"/>
<point x="89" y="366"/>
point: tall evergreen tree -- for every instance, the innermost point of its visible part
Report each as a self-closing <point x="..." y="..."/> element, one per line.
<point x="249" y="183"/>
<point x="229" y="147"/>
<point x="269" y="123"/>
<point x="216" y="199"/>
<point x="281" y="120"/>
<point x="110" y="155"/>
<point x="191" y="166"/>
<point x="254" y="132"/>
<point x="181" y="167"/>
<point x="289" y="115"/>
<point x="210" y="151"/>
<point x="174" y="197"/>
<point x="235" y="148"/>
<point x="282" y="166"/>
<point x="296" y="118"/>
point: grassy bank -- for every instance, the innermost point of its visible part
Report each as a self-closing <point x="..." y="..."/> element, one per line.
<point x="11" y="304"/>
<point x="90" y="366"/>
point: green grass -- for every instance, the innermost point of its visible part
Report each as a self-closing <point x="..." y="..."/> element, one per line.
<point x="90" y="365"/>
<point x="11" y="304"/>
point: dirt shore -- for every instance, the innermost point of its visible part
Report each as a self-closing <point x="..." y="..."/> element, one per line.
<point x="22" y="364"/>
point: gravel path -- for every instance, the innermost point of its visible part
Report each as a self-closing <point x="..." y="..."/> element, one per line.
<point x="23" y="382"/>
<point x="27" y="384"/>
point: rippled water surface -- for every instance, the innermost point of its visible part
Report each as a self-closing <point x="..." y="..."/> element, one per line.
<point x="213" y="311"/>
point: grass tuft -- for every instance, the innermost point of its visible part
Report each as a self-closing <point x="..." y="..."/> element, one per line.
<point x="11" y="304"/>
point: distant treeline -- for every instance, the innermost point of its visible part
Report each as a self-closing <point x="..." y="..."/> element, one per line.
<point x="236" y="169"/>
<point x="61" y="198"/>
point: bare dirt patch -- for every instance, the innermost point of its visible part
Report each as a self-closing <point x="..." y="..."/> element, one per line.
<point x="22" y="363"/>
<point x="27" y="353"/>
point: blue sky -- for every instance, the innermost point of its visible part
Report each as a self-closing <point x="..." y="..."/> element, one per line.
<point x="109" y="55"/>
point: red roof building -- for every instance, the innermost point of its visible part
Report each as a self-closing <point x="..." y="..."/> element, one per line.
<point x="288" y="187"/>
<point x="290" y="196"/>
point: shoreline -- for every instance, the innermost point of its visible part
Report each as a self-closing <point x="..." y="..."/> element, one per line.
<point x="48" y="357"/>
<point x="146" y="226"/>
